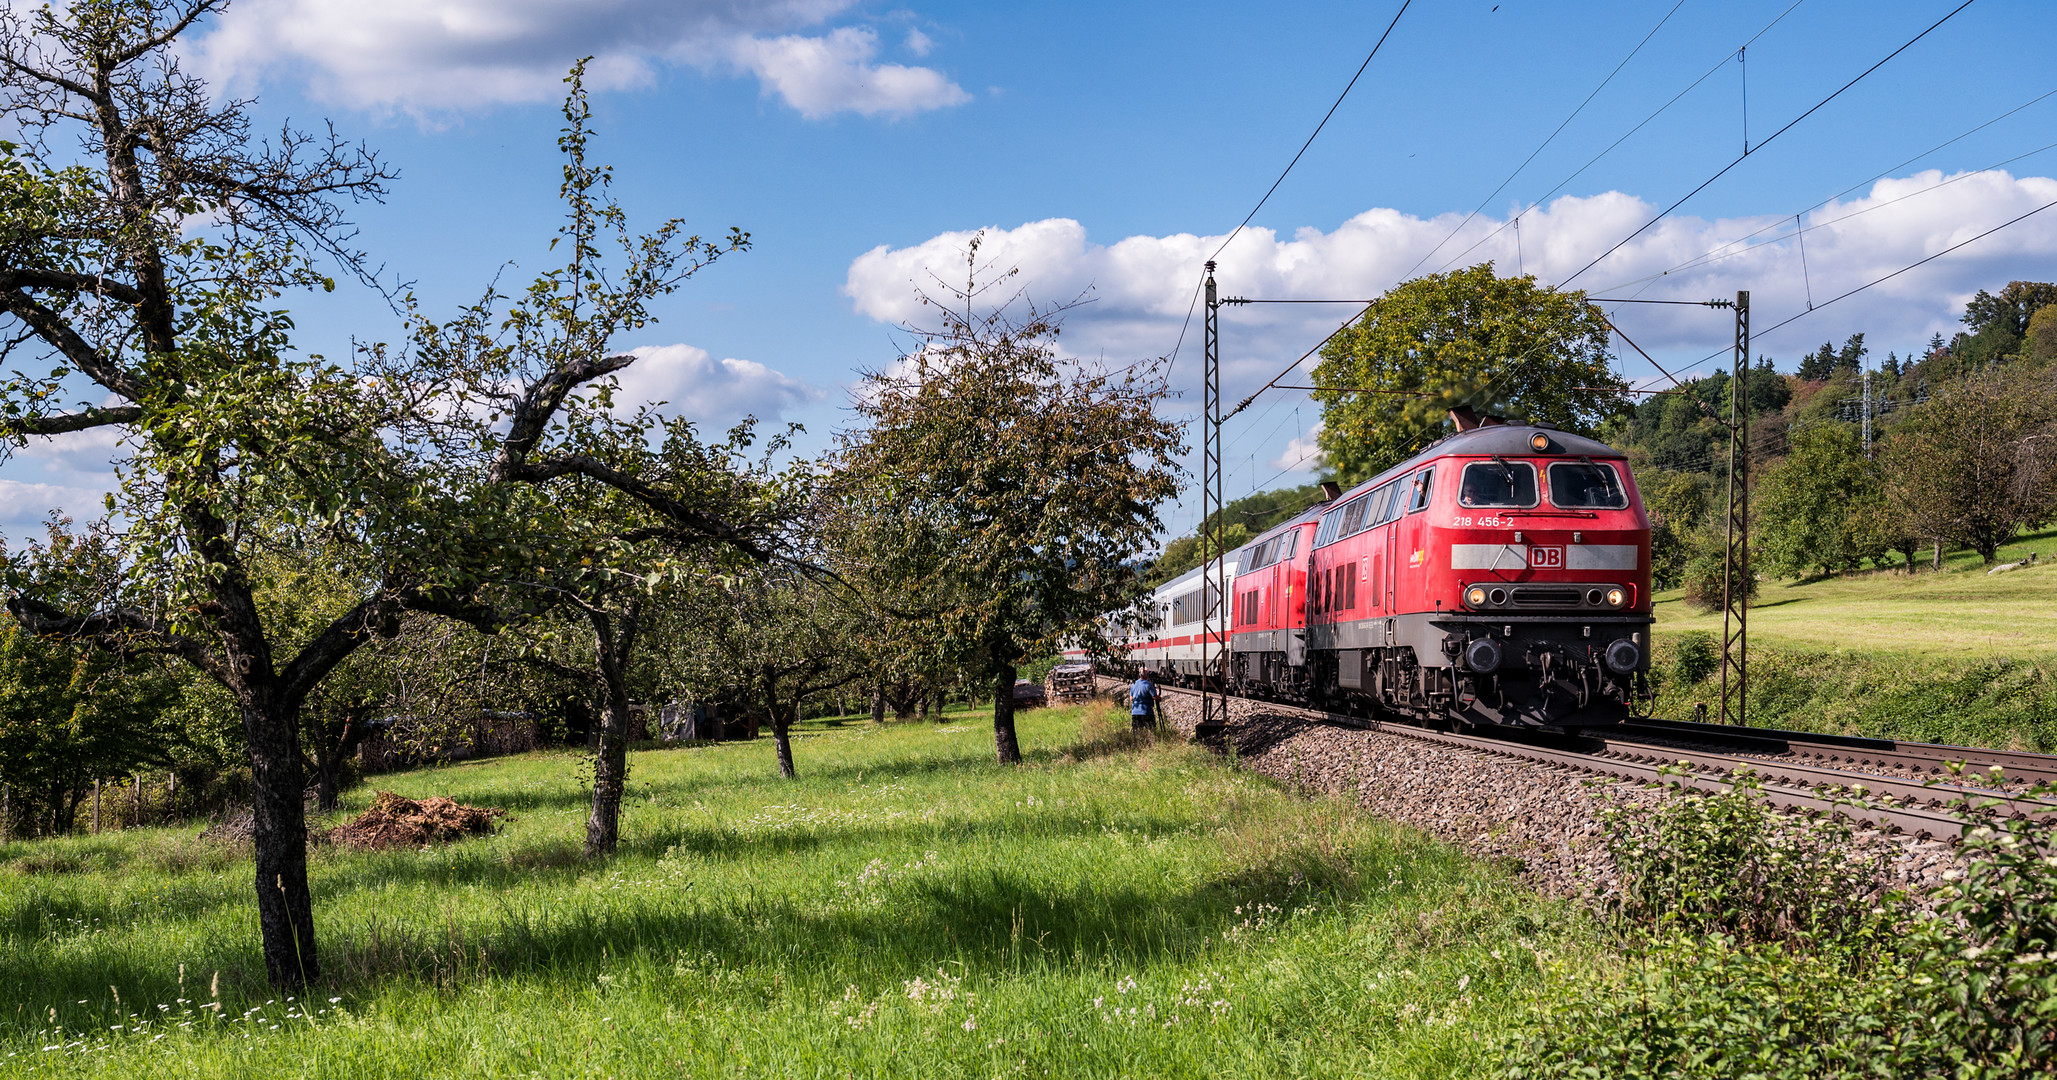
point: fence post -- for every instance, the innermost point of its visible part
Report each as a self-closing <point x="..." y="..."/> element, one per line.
<point x="96" y="806"/>
<point x="171" y="809"/>
<point x="135" y="800"/>
<point x="7" y="812"/>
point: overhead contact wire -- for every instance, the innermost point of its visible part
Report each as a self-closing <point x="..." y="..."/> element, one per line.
<point x="1640" y="125"/>
<point x="1768" y="140"/>
<point x="1317" y="129"/>
<point x="1552" y="137"/>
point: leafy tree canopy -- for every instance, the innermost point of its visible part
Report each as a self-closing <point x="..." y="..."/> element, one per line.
<point x="1811" y="504"/>
<point x="1977" y="461"/>
<point x="1469" y="338"/>
<point x="1030" y="484"/>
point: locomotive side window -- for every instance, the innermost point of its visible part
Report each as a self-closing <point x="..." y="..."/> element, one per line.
<point x="1586" y="485"/>
<point x="1353" y="518"/>
<point x="1422" y="481"/>
<point x="1391" y="496"/>
<point x="1498" y="483"/>
<point x="1381" y="507"/>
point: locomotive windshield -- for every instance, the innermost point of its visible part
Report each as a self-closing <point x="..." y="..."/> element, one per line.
<point x="1586" y="486"/>
<point x="1498" y="483"/>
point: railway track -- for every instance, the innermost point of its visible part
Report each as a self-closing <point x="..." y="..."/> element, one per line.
<point x="1802" y="772"/>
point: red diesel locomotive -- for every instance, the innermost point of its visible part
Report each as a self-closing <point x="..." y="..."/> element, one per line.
<point x="1499" y="577"/>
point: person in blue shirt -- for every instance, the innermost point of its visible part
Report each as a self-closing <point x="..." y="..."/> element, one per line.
<point x="1143" y="702"/>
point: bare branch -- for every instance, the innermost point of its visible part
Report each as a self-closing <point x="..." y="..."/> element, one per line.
<point x="52" y="328"/>
<point x="65" y="422"/>
<point x="121" y="631"/>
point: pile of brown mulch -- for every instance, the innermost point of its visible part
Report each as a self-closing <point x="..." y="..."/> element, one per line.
<point x="398" y="821"/>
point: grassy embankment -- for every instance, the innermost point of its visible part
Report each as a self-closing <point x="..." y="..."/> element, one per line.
<point x="906" y="908"/>
<point x="1960" y="656"/>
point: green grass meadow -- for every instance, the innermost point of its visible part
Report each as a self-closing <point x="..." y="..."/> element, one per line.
<point x="1961" y="656"/>
<point x="1962" y="612"/>
<point x="906" y="908"/>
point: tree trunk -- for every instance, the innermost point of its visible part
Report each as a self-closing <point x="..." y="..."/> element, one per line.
<point x="64" y="808"/>
<point x="1908" y="548"/>
<point x="285" y="910"/>
<point x="614" y="639"/>
<point x="610" y="776"/>
<point x="329" y="756"/>
<point x="781" y="735"/>
<point x="781" y="721"/>
<point x="1937" y="562"/>
<point x="324" y="775"/>
<point x="1003" y="715"/>
<point x="921" y="708"/>
<point x="878" y="704"/>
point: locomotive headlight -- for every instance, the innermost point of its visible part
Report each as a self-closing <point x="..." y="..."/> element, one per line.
<point x="1616" y="597"/>
<point x="1475" y="596"/>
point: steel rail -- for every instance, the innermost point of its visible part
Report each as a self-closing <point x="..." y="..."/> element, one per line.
<point x="1815" y="776"/>
<point x="1787" y="787"/>
<point x="1932" y="758"/>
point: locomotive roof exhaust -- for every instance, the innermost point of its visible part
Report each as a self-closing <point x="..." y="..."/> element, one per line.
<point x="1465" y="419"/>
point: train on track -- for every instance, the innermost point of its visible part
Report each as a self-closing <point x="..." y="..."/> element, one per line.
<point x="1500" y="577"/>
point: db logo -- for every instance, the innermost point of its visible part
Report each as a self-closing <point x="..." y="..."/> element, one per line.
<point x="1546" y="558"/>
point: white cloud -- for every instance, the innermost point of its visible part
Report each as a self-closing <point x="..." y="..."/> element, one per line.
<point x="823" y="75"/>
<point x="24" y="505"/>
<point x="1142" y="286"/>
<point x="919" y="44"/>
<point x="434" y="56"/>
<point x="71" y="473"/>
<point x="76" y="457"/>
<point x="714" y="394"/>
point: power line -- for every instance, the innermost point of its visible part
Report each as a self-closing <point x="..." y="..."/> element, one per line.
<point x="1773" y="137"/>
<point x="1330" y="336"/>
<point x="1909" y="266"/>
<point x="1540" y="147"/>
<point x="1172" y="360"/>
<point x="1718" y="252"/>
<point x="1268" y="192"/>
<point x="1317" y="128"/>
<point x="1640" y="125"/>
<point x="1888" y="277"/>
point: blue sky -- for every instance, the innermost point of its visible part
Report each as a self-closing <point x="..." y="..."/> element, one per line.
<point x="1111" y="147"/>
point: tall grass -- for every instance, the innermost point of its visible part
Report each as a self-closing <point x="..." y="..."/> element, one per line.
<point x="2004" y="702"/>
<point x="1118" y="907"/>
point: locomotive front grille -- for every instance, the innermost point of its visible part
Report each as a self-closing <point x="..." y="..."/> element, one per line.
<point x="1535" y="596"/>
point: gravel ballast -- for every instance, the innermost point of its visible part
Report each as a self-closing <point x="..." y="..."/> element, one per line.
<point x="1544" y="822"/>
